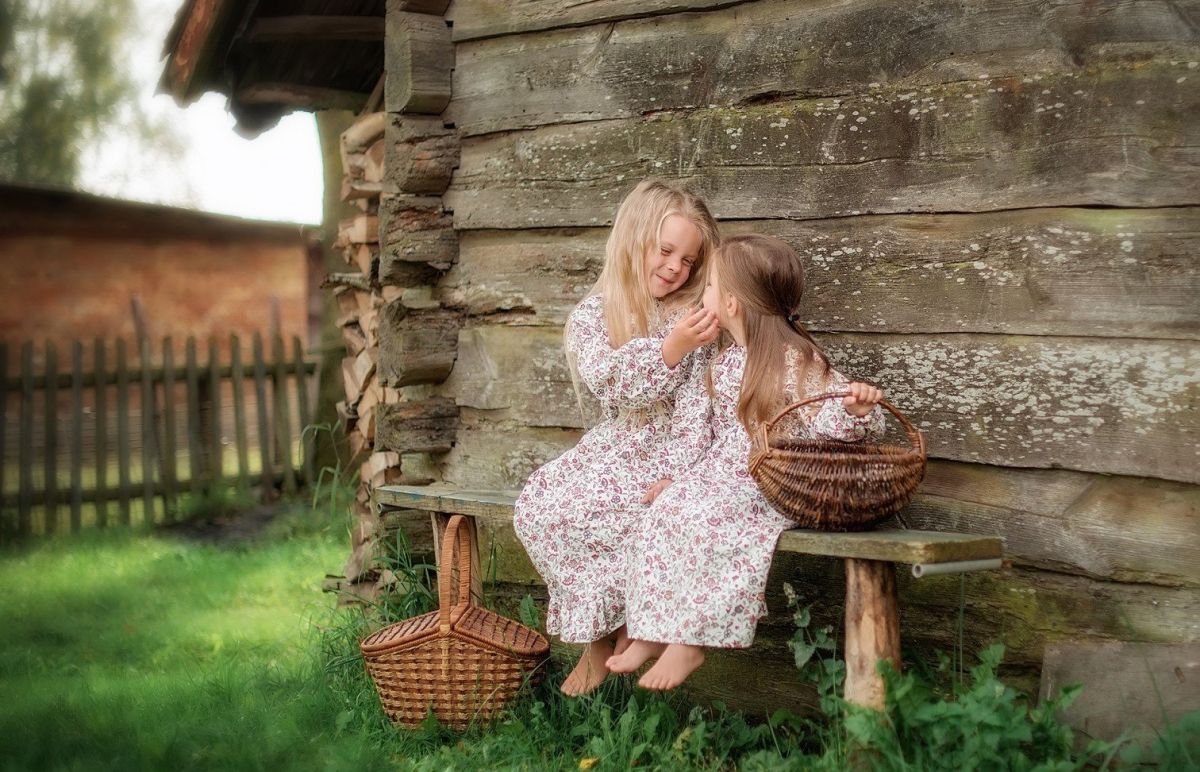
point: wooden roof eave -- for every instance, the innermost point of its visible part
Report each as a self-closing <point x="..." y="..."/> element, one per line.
<point x="196" y="45"/>
<point x="207" y="33"/>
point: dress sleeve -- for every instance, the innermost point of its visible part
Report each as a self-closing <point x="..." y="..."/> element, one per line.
<point x="691" y="421"/>
<point x="632" y="376"/>
<point x="828" y="418"/>
<point x="832" y="422"/>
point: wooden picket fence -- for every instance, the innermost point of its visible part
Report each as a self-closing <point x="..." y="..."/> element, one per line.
<point x="132" y="442"/>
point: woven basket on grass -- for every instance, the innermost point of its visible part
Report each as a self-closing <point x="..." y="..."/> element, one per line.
<point x="836" y="486"/>
<point x="462" y="662"/>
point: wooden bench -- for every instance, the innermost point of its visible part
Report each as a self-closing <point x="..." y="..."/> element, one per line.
<point x="872" y="604"/>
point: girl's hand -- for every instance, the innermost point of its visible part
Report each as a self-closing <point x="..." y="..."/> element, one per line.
<point x="656" y="489"/>
<point x="690" y="333"/>
<point x="862" y="399"/>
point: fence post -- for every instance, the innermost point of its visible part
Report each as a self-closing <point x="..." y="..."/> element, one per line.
<point x="264" y="433"/>
<point x="147" y="432"/>
<point x="307" y="438"/>
<point x="123" y="449"/>
<point x="216" y="466"/>
<point x="76" y="436"/>
<point x="283" y="418"/>
<point x="50" y="481"/>
<point x="101" y="369"/>
<point x="25" y="440"/>
<point x="3" y="417"/>
<point x="166" y="461"/>
<point x="237" y="377"/>
<point x="195" y="460"/>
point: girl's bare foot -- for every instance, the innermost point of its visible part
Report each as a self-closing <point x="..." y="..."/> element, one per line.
<point x="590" y="671"/>
<point x="635" y="655"/>
<point x="621" y="640"/>
<point x="675" y="664"/>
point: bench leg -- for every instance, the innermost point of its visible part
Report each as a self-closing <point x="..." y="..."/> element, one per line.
<point x="872" y="628"/>
<point x="439" y="520"/>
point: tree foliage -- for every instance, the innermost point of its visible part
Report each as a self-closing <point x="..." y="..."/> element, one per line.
<point x="64" y="80"/>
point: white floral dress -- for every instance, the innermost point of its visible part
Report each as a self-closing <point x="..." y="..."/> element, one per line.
<point x="576" y="514"/>
<point x="698" y="568"/>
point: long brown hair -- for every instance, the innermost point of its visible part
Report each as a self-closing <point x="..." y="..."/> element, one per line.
<point x="767" y="277"/>
<point x="628" y="304"/>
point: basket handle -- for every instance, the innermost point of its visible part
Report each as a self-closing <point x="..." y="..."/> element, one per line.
<point x="456" y="545"/>
<point x="914" y="434"/>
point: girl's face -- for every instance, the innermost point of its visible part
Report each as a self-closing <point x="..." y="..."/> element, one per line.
<point x="670" y="263"/>
<point x="721" y="303"/>
<point x="712" y="294"/>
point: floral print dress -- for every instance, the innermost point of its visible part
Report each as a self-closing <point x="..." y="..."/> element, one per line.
<point x="577" y="513"/>
<point x="698" y="567"/>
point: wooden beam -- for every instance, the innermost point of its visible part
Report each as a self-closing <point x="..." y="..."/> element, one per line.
<point x="194" y="48"/>
<point x="899" y="546"/>
<point x="305" y="28"/>
<point x="306" y="97"/>
<point x="418" y="61"/>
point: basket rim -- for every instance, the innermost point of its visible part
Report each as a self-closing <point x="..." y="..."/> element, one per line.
<point x="541" y="644"/>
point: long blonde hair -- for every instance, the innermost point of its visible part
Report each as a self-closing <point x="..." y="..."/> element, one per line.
<point x="767" y="277"/>
<point x="629" y="308"/>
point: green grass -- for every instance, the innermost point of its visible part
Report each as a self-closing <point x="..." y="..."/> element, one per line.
<point x="133" y="651"/>
<point x="130" y="650"/>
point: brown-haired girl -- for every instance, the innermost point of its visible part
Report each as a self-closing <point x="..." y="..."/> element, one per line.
<point x="629" y="342"/>
<point x="698" y="568"/>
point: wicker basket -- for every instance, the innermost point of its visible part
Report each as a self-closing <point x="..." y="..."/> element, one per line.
<point x="836" y="486"/>
<point x="462" y="662"/>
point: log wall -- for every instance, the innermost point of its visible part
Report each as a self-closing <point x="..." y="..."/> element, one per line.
<point x="999" y="205"/>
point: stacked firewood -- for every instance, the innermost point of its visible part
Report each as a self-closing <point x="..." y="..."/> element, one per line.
<point x="400" y="340"/>
<point x="360" y="300"/>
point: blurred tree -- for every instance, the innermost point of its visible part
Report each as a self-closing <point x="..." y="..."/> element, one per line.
<point x="64" y="81"/>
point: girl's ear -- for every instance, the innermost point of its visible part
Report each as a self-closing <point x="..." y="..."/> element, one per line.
<point x="732" y="307"/>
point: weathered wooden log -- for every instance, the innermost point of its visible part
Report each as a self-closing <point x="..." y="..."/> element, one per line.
<point x="360" y="229"/>
<point x="418" y="59"/>
<point x="354" y="338"/>
<point x="425" y="426"/>
<point x="361" y="134"/>
<point x="381" y="468"/>
<point x="355" y="281"/>
<point x="415" y="230"/>
<point x="872" y="629"/>
<point x="485" y="18"/>
<point x="416" y="346"/>
<point x="373" y="163"/>
<point x="543" y="272"/>
<point x="355" y="372"/>
<point x="1056" y="271"/>
<point x="354" y="190"/>
<point x="1127" y="687"/>
<point x="501" y="455"/>
<point x="517" y="371"/>
<point x="920" y="149"/>
<point x="435" y="7"/>
<point x="420" y="154"/>
<point x="365" y="257"/>
<point x="650" y="64"/>
<point x="1128" y="529"/>
<point x="1091" y="404"/>
<point x="1118" y="407"/>
<point x="372" y="393"/>
<point x="369" y="322"/>
<point x="346" y="300"/>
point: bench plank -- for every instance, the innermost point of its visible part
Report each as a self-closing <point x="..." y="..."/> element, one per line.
<point x="896" y="546"/>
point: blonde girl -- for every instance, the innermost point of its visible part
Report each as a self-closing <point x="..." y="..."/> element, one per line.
<point x="629" y="342"/>
<point x="698" y="568"/>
